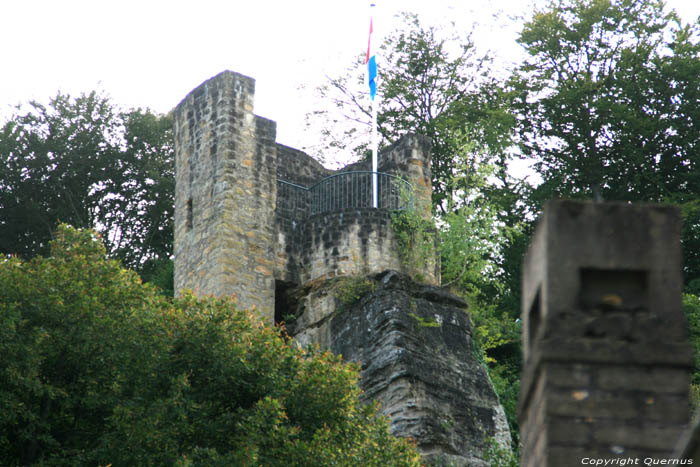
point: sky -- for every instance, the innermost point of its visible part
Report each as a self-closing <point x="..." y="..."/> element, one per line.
<point x="152" y="53"/>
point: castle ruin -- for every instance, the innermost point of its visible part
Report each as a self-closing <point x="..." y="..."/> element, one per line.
<point x="269" y="226"/>
<point x="252" y="215"/>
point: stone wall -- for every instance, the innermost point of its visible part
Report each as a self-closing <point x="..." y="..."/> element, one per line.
<point x="296" y="171"/>
<point x="298" y="167"/>
<point x="348" y="242"/>
<point x="243" y="208"/>
<point x="226" y="167"/>
<point x="409" y="158"/>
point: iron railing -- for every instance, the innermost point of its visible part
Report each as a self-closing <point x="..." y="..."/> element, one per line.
<point x="346" y="190"/>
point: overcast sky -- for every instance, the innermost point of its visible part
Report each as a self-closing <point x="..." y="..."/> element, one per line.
<point x="151" y="53"/>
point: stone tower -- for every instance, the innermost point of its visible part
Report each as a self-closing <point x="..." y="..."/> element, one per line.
<point x="251" y="214"/>
<point x="226" y="167"/>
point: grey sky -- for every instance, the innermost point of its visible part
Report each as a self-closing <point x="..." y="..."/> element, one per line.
<point x="151" y="53"/>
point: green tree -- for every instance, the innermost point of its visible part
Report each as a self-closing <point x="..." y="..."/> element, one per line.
<point x="85" y="162"/>
<point x="691" y="308"/>
<point x="99" y="369"/>
<point x="433" y="82"/>
<point x="607" y="106"/>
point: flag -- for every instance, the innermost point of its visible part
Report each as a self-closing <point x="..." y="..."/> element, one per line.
<point x="371" y="62"/>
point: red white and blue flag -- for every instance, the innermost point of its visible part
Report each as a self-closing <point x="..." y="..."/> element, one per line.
<point x="371" y="62"/>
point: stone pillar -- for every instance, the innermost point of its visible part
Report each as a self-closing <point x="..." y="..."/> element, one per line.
<point x="409" y="158"/>
<point x="226" y="165"/>
<point x="606" y="371"/>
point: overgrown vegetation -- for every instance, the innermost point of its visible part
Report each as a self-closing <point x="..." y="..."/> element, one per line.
<point x="497" y="456"/>
<point x="83" y="161"/>
<point x="417" y="240"/>
<point x="350" y="289"/>
<point x="691" y="307"/>
<point x="99" y="369"/>
<point x="425" y="322"/>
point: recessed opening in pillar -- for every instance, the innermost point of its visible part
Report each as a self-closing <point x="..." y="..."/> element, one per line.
<point x="613" y="289"/>
<point x="534" y="318"/>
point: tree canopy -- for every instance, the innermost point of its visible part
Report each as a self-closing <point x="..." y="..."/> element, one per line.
<point x="607" y="106"/>
<point x="83" y="161"/>
<point x="99" y="369"/>
<point x="433" y="82"/>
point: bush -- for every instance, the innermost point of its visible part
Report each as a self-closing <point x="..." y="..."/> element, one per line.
<point x="350" y="289"/>
<point x="100" y="369"/>
<point x="691" y="308"/>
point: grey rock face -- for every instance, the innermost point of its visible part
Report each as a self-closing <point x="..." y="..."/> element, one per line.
<point x="414" y="344"/>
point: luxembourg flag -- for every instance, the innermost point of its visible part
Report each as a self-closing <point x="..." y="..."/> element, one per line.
<point x="371" y="62"/>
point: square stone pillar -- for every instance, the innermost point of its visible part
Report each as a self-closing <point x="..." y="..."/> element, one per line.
<point x="606" y="357"/>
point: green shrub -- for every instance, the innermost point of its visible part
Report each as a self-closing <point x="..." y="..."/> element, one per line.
<point x="350" y="289"/>
<point x="416" y="237"/>
<point x="99" y="369"/>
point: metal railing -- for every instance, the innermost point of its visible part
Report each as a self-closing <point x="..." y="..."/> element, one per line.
<point x="347" y="190"/>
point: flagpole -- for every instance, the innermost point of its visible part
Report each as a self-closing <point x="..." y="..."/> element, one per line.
<point x="374" y="142"/>
<point x="374" y="153"/>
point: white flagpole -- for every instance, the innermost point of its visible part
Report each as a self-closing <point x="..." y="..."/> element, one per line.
<point x="374" y="141"/>
<point x="374" y="152"/>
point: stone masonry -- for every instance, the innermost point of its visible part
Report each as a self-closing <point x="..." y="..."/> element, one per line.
<point x="606" y="357"/>
<point x="342" y="240"/>
<point x="226" y="167"/>
<point x="244" y="205"/>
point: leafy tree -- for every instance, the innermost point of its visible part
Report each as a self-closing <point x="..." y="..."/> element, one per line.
<point x="83" y="161"/>
<point x="99" y="369"/>
<point x="432" y="82"/>
<point x="607" y="105"/>
<point x="691" y="308"/>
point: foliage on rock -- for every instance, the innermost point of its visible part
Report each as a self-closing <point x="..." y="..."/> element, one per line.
<point x="349" y="289"/>
<point x="417" y="239"/>
<point x="99" y="369"/>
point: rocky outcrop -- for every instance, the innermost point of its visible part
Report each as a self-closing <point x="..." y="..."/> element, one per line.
<point x="414" y="344"/>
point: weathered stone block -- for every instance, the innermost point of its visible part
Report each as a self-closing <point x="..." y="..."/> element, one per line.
<point x="602" y="257"/>
<point x="605" y="342"/>
<point x="656" y="380"/>
<point x="417" y="361"/>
